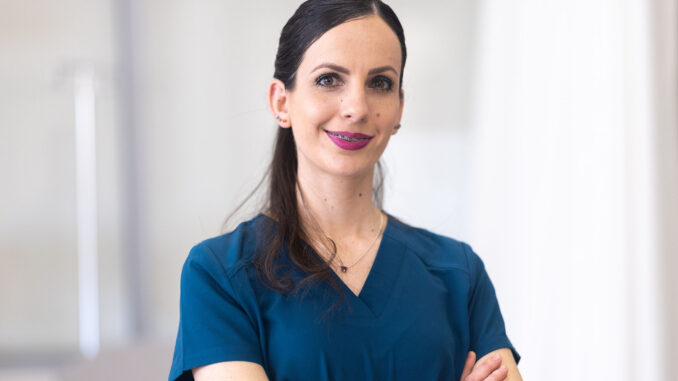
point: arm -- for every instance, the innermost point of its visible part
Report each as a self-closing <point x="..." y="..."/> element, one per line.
<point x="214" y="325"/>
<point x="487" y="324"/>
<point x="230" y="371"/>
<point x="496" y="365"/>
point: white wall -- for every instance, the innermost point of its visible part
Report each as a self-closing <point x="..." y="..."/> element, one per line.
<point x="39" y="44"/>
<point x="566" y="203"/>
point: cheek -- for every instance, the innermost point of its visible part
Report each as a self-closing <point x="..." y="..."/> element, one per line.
<point x="385" y="111"/>
<point x="319" y="110"/>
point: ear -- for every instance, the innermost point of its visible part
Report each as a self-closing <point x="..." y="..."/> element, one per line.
<point x="400" y="112"/>
<point x="277" y="102"/>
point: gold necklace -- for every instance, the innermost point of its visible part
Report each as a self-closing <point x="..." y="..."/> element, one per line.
<point x="345" y="268"/>
<point x="342" y="267"/>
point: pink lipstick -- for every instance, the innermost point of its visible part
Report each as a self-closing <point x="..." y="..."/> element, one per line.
<point x="351" y="141"/>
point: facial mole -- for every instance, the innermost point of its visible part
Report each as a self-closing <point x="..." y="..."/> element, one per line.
<point x="360" y="194"/>
<point x="378" y="115"/>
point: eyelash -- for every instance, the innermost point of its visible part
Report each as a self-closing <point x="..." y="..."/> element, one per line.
<point x="335" y="77"/>
<point x="386" y="80"/>
<point x="320" y="79"/>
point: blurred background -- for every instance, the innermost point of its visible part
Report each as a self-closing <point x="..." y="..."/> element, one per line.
<point x="542" y="132"/>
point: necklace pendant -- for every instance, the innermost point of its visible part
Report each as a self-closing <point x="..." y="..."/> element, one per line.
<point x="344" y="269"/>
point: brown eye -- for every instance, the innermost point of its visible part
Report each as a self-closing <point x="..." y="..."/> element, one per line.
<point x="328" y="80"/>
<point x="382" y="83"/>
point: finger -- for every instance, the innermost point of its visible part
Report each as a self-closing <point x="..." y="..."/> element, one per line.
<point x="468" y="367"/>
<point x="484" y="369"/>
<point x="498" y="375"/>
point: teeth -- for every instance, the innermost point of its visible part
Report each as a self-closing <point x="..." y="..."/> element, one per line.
<point x="342" y="137"/>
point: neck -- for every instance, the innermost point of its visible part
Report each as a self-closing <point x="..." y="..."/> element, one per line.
<point x="341" y="207"/>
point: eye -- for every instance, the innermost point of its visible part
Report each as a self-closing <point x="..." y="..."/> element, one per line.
<point x="382" y="83"/>
<point x="328" y="80"/>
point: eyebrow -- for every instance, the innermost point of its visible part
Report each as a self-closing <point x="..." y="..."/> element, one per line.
<point x="344" y="70"/>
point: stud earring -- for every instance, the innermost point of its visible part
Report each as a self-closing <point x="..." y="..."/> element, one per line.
<point x="398" y="127"/>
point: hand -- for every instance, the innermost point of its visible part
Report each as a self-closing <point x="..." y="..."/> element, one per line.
<point x="489" y="370"/>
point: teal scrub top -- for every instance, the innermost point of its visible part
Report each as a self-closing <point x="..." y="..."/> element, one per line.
<point x="426" y="302"/>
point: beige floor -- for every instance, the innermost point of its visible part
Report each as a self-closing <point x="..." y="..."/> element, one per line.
<point x="139" y="362"/>
<point x="28" y="375"/>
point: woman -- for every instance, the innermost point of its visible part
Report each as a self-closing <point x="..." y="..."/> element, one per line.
<point x="323" y="285"/>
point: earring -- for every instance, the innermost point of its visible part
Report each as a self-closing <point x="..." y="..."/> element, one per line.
<point x="398" y="127"/>
<point x="280" y="119"/>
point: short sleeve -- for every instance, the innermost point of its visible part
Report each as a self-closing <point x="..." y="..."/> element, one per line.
<point x="213" y="326"/>
<point x="487" y="331"/>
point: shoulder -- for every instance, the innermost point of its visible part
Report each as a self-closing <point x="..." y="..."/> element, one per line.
<point x="231" y="251"/>
<point x="434" y="250"/>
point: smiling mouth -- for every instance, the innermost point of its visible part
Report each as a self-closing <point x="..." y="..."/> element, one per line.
<point x="348" y="139"/>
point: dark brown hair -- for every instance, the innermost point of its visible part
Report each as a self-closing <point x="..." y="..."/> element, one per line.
<point x="310" y="21"/>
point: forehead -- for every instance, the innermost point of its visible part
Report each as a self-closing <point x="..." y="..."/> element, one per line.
<point x="357" y="44"/>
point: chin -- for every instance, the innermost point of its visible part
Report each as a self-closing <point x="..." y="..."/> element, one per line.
<point x="350" y="168"/>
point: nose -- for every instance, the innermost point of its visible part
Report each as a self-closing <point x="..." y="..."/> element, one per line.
<point x="354" y="106"/>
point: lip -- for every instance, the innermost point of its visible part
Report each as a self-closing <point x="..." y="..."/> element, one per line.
<point x="348" y="145"/>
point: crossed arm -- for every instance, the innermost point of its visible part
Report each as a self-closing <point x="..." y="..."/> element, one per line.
<point x="488" y="368"/>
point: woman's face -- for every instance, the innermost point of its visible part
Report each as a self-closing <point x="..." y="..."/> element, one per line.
<point x="346" y="101"/>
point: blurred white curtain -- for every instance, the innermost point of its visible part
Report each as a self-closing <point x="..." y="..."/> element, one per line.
<point x="565" y="180"/>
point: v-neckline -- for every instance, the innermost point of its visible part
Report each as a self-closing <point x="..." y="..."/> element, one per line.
<point x="370" y="274"/>
<point x="380" y="281"/>
<point x="382" y="278"/>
